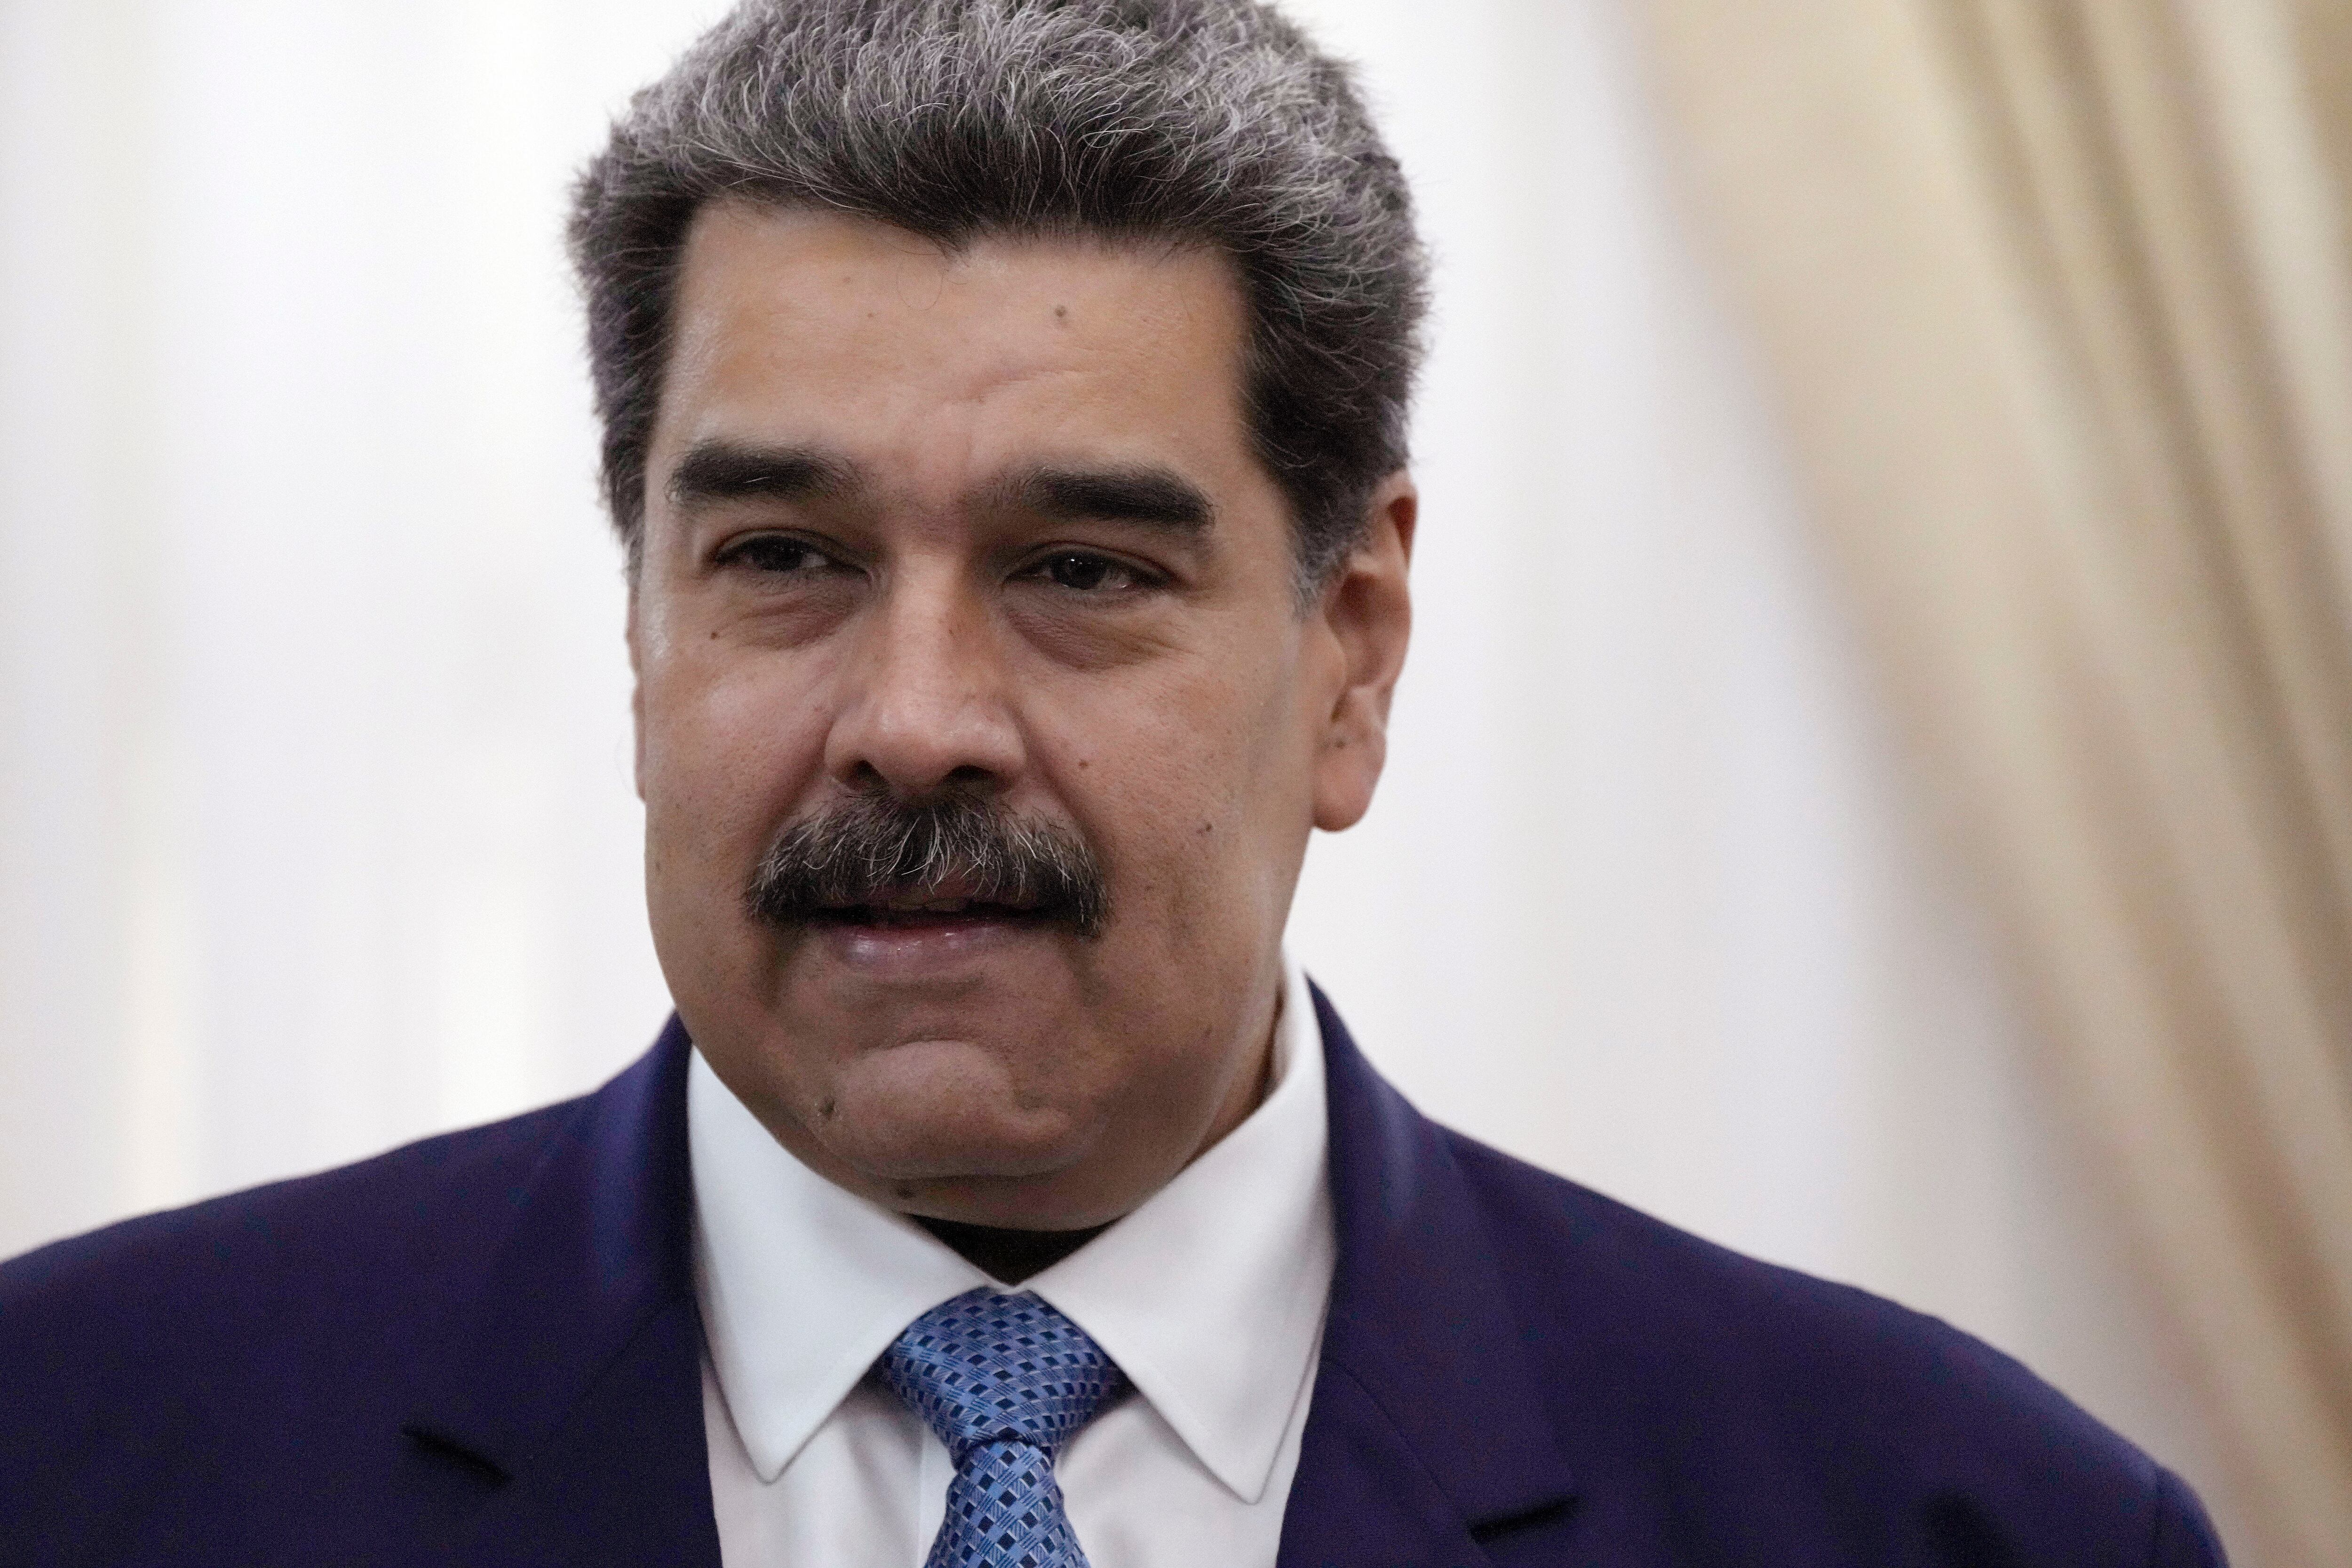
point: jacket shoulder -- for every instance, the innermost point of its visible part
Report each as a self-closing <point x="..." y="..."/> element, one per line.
<point x="1760" y="1382"/>
<point x="128" y="1348"/>
<point x="402" y="1211"/>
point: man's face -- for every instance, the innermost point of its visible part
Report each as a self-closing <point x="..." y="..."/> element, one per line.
<point x="983" y="531"/>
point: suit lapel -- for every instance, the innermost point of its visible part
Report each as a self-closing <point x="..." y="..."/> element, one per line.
<point x="568" y="1385"/>
<point x="1425" y="1442"/>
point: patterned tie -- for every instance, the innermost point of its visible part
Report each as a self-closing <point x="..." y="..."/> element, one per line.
<point x="1004" y="1381"/>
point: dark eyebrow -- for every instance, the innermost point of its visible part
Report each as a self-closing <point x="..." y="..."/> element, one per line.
<point x="1146" y="494"/>
<point x="724" y="470"/>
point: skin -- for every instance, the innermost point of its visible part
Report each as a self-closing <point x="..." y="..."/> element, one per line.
<point x="920" y="621"/>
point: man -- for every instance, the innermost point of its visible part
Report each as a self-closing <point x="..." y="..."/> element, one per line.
<point x="1004" y="409"/>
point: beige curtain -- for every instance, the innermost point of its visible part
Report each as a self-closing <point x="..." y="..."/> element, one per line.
<point x="2054" y="294"/>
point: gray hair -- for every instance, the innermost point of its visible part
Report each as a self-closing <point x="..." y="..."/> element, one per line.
<point x="1213" y="121"/>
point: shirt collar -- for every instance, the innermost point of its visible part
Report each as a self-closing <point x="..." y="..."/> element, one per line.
<point x="1210" y="1296"/>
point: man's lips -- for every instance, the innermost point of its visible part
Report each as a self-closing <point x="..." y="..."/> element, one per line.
<point x="919" y="942"/>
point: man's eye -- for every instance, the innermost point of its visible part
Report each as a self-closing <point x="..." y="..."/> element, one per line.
<point x="1086" y="574"/>
<point x="776" y="553"/>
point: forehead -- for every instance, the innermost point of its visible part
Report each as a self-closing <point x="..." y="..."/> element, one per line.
<point x="933" y="362"/>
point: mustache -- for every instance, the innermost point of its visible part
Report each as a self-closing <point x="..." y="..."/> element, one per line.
<point x="873" y="849"/>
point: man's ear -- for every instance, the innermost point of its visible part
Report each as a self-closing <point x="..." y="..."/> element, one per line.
<point x="1367" y="611"/>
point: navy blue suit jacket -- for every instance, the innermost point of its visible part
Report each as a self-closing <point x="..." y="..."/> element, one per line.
<point x="484" y="1349"/>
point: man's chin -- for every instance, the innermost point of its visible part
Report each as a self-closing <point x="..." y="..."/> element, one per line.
<point x="959" y="1159"/>
<point x="952" y="1112"/>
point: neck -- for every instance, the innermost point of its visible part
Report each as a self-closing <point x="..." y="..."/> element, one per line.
<point x="1011" y="1256"/>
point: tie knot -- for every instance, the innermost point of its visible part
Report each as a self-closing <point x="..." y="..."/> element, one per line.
<point x="987" y="1367"/>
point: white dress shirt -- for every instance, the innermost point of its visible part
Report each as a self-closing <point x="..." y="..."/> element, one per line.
<point x="1211" y="1297"/>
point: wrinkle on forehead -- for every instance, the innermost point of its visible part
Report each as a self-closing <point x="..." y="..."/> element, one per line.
<point x="922" y="275"/>
<point x="772" y="298"/>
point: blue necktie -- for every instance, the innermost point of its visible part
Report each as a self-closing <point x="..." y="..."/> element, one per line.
<point x="1004" y="1381"/>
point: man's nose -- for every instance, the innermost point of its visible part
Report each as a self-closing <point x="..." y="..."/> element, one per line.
<point x="924" y="704"/>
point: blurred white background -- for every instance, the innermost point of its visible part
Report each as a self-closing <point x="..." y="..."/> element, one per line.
<point x="316" y="831"/>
